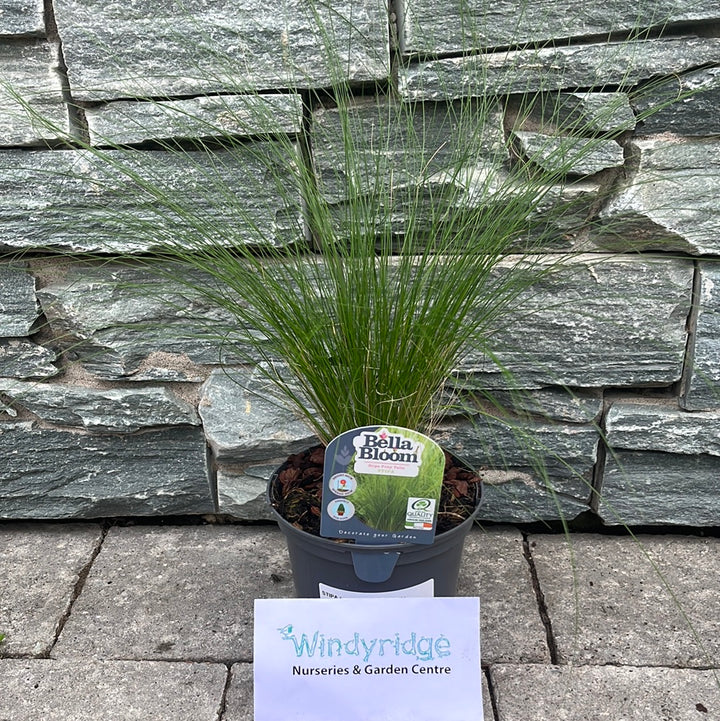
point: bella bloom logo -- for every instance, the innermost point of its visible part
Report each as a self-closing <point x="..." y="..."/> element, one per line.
<point x="381" y="451"/>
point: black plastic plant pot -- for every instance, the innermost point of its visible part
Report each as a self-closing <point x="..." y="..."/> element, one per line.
<point x="325" y="567"/>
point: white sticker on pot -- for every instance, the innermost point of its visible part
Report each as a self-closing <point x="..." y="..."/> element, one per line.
<point x="381" y="485"/>
<point x="426" y="589"/>
<point x="358" y="659"/>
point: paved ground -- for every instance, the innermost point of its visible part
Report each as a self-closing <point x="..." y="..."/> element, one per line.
<point x="155" y="623"/>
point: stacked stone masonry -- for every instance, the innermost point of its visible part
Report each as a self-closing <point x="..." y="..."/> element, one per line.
<point x="115" y="401"/>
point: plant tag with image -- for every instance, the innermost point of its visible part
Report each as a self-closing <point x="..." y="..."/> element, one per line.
<point x="381" y="484"/>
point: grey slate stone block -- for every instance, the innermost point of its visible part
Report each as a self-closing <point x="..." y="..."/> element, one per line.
<point x="695" y="115"/>
<point x="31" y="104"/>
<point x="86" y="690"/>
<point x="595" y="321"/>
<point x="701" y="382"/>
<point x="494" y="569"/>
<point x="549" y="693"/>
<point x="648" y="601"/>
<point x="119" y="51"/>
<point x="655" y="488"/>
<point x="663" y="467"/>
<point x="189" y="596"/>
<point x="125" y="323"/>
<point x="531" y="470"/>
<point x="18" y="306"/>
<point x="670" y="203"/>
<point x="242" y="493"/>
<point x="245" y="420"/>
<point x="576" y="113"/>
<point x="590" y="339"/>
<point x="46" y="193"/>
<point x="440" y="27"/>
<point x="551" y="69"/>
<point x="395" y="150"/>
<point x="578" y="155"/>
<point x="52" y="473"/>
<point x="125" y="122"/>
<point x="22" y="18"/>
<point x="39" y="568"/>
<point x="566" y="405"/>
<point x="658" y="426"/>
<point x="21" y="358"/>
<point x="116" y="410"/>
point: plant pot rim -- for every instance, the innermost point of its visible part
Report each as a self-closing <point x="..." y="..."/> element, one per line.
<point x="387" y="547"/>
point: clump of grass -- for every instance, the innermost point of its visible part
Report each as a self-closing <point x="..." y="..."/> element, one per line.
<point x="388" y="237"/>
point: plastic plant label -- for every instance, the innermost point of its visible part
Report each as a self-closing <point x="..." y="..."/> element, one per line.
<point x="381" y="485"/>
<point x="358" y="659"/>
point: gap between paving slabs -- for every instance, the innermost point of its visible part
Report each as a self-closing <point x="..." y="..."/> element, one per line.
<point x="77" y="589"/>
<point x="650" y="600"/>
<point x="43" y="567"/>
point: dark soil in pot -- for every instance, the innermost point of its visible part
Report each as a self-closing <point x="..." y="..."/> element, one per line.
<point x="296" y="495"/>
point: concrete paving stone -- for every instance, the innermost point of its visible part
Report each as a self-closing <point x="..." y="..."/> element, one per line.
<point x="494" y="569"/>
<point x="240" y="704"/>
<point x="39" y="568"/>
<point x="646" y="602"/>
<point x="81" y="690"/>
<point x="176" y="593"/>
<point x="605" y="693"/>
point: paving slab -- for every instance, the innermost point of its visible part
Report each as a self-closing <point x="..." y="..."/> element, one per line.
<point x="494" y="569"/>
<point x="240" y="704"/>
<point x="652" y="601"/>
<point x="176" y="593"/>
<point x="80" y="690"/>
<point x="40" y="566"/>
<point x="599" y="693"/>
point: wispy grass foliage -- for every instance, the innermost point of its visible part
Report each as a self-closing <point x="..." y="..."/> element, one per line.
<point x="386" y="237"/>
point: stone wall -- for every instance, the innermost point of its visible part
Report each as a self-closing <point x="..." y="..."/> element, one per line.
<point x="114" y="402"/>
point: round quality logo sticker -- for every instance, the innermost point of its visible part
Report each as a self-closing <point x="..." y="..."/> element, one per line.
<point x="340" y="510"/>
<point x="342" y="484"/>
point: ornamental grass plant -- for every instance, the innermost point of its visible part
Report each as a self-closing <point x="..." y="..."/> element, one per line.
<point x="388" y="236"/>
<point x="396" y="226"/>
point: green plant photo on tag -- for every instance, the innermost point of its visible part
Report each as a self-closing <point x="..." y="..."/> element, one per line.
<point x="381" y="484"/>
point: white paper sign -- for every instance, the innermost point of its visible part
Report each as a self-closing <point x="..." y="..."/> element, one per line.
<point x="358" y="659"/>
